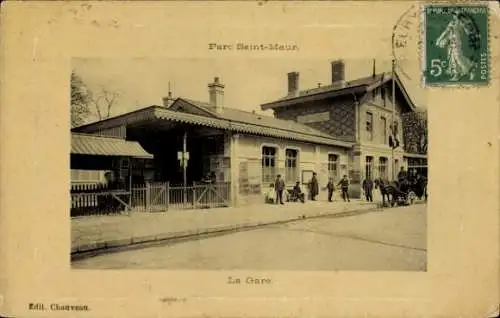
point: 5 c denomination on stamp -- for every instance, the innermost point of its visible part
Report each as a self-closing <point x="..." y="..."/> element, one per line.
<point x="456" y="46"/>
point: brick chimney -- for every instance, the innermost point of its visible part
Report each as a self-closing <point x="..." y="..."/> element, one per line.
<point x="338" y="73"/>
<point x="216" y="93"/>
<point x="169" y="100"/>
<point x="293" y="83"/>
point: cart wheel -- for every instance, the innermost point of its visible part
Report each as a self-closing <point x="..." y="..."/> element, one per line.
<point x="411" y="197"/>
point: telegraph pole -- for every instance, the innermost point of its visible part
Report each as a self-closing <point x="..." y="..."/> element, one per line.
<point x="184" y="164"/>
<point x="393" y="116"/>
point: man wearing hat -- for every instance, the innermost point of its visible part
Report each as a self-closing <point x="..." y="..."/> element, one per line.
<point x="344" y="185"/>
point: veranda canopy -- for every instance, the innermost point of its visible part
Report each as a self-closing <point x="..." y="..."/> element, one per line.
<point x="87" y="144"/>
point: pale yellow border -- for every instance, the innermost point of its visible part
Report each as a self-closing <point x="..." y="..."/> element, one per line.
<point x="38" y="40"/>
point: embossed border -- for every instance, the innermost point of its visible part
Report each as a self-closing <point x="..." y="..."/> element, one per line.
<point x="423" y="51"/>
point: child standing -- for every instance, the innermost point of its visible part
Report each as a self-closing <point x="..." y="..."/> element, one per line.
<point x="330" y="186"/>
<point x="271" y="194"/>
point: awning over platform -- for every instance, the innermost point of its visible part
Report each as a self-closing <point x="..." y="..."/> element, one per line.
<point x="280" y="129"/>
<point x="85" y="144"/>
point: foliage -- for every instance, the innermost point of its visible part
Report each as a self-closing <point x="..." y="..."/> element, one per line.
<point x="85" y="102"/>
<point x="103" y="102"/>
<point x="415" y="132"/>
<point x="80" y="99"/>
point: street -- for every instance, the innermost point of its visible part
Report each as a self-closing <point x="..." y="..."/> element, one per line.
<point x="389" y="239"/>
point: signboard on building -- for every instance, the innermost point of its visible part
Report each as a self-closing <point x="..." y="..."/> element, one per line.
<point x="183" y="158"/>
<point x="314" y="118"/>
<point x="243" y="180"/>
<point x="306" y="176"/>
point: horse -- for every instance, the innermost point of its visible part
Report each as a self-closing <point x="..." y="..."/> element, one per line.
<point x="385" y="191"/>
<point x="394" y="191"/>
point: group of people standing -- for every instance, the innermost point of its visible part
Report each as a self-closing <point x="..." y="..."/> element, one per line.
<point x="368" y="184"/>
<point x="275" y="194"/>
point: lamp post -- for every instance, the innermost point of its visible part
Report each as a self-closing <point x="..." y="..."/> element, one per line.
<point x="184" y="165"/>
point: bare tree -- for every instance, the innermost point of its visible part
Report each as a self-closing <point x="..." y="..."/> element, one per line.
<point x="415" y="133"/>
<point x="80" y="100"/>
<point x="103" y="101"/>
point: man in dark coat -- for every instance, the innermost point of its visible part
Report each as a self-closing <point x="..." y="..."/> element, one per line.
<point x="330" y="187"/>
<point x="412" y="176"/>
<point x="297" y="192"/>
<point x="213" y="178"/>
<point x="279" y="185"/>
<point x="344" y="184"/>
<point x="367" y="188"/>
<point x="313" y="187"/>
<point x="402" y="174"/>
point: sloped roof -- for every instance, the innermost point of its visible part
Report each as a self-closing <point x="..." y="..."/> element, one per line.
<point x="154" y="113"/>
<point x="241" y="116"/>
<point x="84" y="144"/>
<point x="365" y="81"/>
<point x="360" y="85"/>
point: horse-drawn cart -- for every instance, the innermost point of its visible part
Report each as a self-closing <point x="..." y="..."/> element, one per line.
<point x="401" y="193"/>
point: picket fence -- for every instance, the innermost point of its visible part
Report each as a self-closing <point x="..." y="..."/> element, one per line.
<point x="99" y="199"/>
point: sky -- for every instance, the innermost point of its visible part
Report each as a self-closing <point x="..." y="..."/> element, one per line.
<point x="143" y="82"/>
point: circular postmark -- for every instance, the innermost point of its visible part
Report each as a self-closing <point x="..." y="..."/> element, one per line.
<point x="405" y="40"/>
<point x="405" y="53"/>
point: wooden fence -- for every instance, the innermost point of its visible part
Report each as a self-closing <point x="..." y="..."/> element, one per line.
<point x="98" y="199"/>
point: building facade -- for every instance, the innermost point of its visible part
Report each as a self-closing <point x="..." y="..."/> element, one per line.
<point x="246" y="149"/>
<point x="360" y="111"/>
<point x="346" y="128"/>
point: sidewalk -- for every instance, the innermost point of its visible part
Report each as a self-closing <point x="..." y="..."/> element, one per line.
<point x="102" y="232"/>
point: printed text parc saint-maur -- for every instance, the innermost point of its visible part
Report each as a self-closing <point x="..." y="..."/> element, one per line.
<point x="240" y="46"/>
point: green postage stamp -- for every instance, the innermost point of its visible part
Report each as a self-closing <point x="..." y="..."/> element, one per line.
<point x="455" y="45"/>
